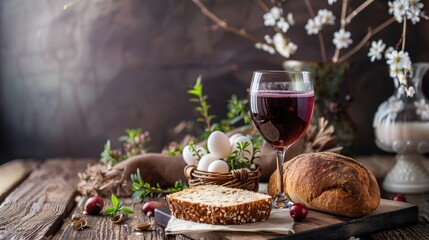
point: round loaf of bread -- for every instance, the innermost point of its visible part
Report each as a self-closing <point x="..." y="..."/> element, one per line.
<point x="330" y="183"/>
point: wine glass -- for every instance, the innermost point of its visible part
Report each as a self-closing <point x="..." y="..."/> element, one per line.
<point x="281" y="106"/>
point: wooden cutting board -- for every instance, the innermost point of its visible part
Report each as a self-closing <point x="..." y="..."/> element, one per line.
<point x="318" y="225"/>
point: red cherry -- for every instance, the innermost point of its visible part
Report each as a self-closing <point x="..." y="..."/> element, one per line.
<point x="399" y="197"/>
<point x="298" y="211"/>
<point x="93" y="205"/>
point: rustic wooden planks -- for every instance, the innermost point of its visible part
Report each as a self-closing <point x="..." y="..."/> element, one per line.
<point x="13" y="173"/>
<point x="36" y="208"/>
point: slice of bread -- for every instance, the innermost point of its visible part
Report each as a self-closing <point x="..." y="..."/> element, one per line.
<point x="219" y="205"/>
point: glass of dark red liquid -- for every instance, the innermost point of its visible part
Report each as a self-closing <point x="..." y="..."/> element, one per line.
<point x="281" y="106"/>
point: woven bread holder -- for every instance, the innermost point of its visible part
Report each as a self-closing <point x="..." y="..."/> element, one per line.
<point x="239" y="178"/>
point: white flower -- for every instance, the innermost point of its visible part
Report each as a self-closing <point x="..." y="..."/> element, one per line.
<point x="313" y="26"/>
<point x="399" y="59"/>
<point x="272" y="16"/>
<point x="389" y="50"/>
<point x="284" y="48"/>
<point x="414" y="15"/>
<point x="376" y="50"/>
<point x="393" y="58"/>
<point x="402" y="78"/>
<point x="391" y="7"/>
<point x="422" y="109"/>
<point x="268" y="39"/>
<point x="330" y="2"/>
<point x="406" y="8"/>
<point x="265" y="47"/>
<point x="283" y="25"/>
<point x="406" y="63"/>
<point x="416" y="4"/>
<point x="410" y="91"/>
<point x="342" y="39"/>
<point x="326" y="17"/>
<point x="394" y="70"/>
<point x="290" y="19"/>
<point x="400" y="8"/>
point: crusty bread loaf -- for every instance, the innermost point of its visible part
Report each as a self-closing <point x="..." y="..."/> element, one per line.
<point x="330" y="183"/>
<point x="219" y="205"/>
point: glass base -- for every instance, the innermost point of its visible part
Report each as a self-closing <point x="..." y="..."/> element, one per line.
<point x="281" y="202"/>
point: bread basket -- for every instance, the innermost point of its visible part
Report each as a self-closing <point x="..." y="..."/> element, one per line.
<point x="239" y="178"/>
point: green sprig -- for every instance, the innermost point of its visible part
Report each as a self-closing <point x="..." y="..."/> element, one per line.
<point x="135" y="143"/>
<point x="117" y="208"/>
<point x="235" y="161"/>
<point x="109" y="157"/>
<point x="143" y="189"/>
<point x="203" y="107"/>
<point x="194" y="150"/>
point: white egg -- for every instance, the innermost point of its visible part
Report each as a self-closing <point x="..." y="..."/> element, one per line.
<point x="190" y="155"/>
<point x="205" y="161"/>
<point x="219" y="166"/>
<point x="218" y="144"/>
<point x="234" y="136"/>
<point x="248" y="153"/>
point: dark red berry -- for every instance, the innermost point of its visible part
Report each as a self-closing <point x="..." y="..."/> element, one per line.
<point x="399" y="197"/>
<point x="93" y="205"/>
<point x="298" y="211"/>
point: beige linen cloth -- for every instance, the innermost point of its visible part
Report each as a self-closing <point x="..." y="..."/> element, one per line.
<point x="279" y="222"/>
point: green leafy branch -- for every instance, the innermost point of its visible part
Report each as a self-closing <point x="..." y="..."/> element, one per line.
<point x="257" y="142"/>
<point x="117" y="208"/>
<point x="203" y="107"/>
<point x="143" y="189"/>
<point x="110" y="157"/>
<point x="135" y="143"/>
<point x="195" y="151"/>
<point x="237" y="159"/>
<point x="238" y="110"/>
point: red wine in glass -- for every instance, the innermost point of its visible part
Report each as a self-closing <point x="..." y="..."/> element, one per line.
<point x="281" y="117"/>
<point x="281" y="106"/>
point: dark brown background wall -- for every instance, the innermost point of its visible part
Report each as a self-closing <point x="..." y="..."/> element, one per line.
<point x="71" y="79"/>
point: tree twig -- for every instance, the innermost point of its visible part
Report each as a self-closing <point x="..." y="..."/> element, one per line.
<point x="241" y="32"/>
<point x="263" y="5"/>
<point x="343" y="13"/>
<point x="358" y="10"/>
<point x="404" y="33"/>
<point x="310" y="8"/>
<point x="370" y="33"/>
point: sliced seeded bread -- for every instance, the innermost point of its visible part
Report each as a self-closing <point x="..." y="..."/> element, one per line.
<point x="219" y="205"/>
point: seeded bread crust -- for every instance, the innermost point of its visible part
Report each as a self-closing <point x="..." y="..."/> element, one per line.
<point x="189" y="205"/>
<point x="330" y="183"/>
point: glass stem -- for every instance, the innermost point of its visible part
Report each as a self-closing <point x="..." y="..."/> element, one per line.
<point x="280" y="201"/>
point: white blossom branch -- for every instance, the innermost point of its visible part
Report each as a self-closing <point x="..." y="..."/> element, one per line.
<point x="320" y="34"/>
<point x="343" y="25"/>
<point x="370" y="33"/>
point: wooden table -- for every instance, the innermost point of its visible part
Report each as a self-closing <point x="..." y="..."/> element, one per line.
<point x="38" y="200"/>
